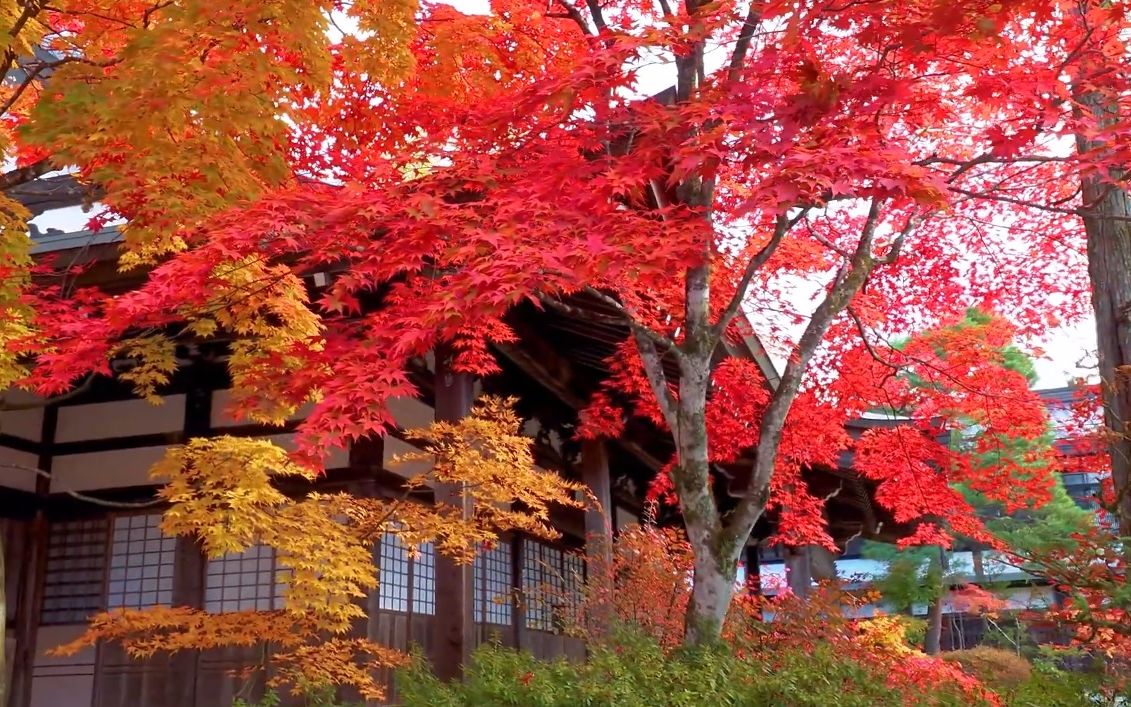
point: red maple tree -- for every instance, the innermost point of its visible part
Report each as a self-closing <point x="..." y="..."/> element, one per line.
<point x="824" y="175"/>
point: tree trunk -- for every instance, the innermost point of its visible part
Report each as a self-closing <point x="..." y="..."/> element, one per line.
<point x="716" y="561"/>
<point x="1107" y="211"/>
<point x="711" y="593"/>
<point x="932" y="642"/>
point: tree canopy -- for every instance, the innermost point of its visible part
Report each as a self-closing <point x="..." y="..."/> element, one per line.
<point x="823" y="176"/>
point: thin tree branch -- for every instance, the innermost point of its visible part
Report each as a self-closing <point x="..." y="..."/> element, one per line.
<point x="575" y="14"/>
<point x="654" y="372"/>
<point x="25" y="174"/>
<point x="598" y="16"/>
<point x="782" y="226"/>
<point x="82" y="496"/>
<point x="745" y="35"/>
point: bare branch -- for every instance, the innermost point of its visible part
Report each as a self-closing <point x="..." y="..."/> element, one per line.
<point x="574" y="14"/>
<point x="82" y="496"/>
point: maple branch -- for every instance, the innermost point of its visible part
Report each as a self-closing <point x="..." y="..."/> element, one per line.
<point x="40" y="67"/>
<point x="1039" y="207"/>
<point x="598" y="15"/>
<point x="573" y="13"/>
<point x="782" y="226"/>
<point x="30" y="10"/>
<point x="745" y="35"/>
<point x="25" y="174"/>
<point x="985" y="158"/>
<point x="658" y="380"/>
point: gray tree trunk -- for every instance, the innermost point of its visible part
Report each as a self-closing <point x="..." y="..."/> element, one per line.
<point x="1107" y="224"/>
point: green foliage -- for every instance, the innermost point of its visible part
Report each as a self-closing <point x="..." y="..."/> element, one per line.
<point x="1051" y="686"/>
<point x="913" y="575"/>
<point x="1036" y="531"/>
<point x="636" y="672"/>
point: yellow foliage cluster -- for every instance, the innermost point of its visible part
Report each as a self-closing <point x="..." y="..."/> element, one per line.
<point x="222" y="493"/>
<point x="266" y="309"/>
<point x="155" y="359"/>
<point x="300" y="655"/>
<point x="15" y="314"/>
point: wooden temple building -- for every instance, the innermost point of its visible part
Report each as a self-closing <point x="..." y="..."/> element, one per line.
<point x="78" y="539"/>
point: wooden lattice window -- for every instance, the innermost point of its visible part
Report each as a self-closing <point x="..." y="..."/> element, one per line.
<point x="551" y="584"/>
<point x="407" y="580"/>
<point x="76" y="566"/>
<point x="493" y="575"/>
<point x="244" y="581"/>
<point x="141" y="563"/>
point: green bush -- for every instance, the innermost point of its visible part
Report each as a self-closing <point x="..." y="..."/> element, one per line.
<point x="636" y="672"/>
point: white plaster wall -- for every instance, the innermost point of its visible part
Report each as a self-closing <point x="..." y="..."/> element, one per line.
<point x="103" y="470"/>
<point x="17" y="478"/>
<point x="25" y="424"/>
<point x="395" y="447"/>
<point x="61" y="682"/>
<point x="120" y="418"/>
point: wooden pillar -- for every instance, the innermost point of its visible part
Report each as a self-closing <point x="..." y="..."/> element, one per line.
<point x="598" y="528"/>
<point x="453" y="634"/>
<point x="595" y="475"/>
<point x="33" y="572"/>
<point x="189" y="562"/>
<point x="754" y="574"/>
<point x="798" y="575"/>
<point x="518" y="613"/>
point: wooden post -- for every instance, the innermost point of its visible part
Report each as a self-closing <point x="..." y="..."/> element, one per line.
<point x="598" y="526"/>
<point x="595" y="475"/>
<point x="754" y="575"/>
<point x="453" y="634"/>
<point x="189" y="562"/>
<point x="33" y="572"/>
<point x="798" y="575"/>
<point x="518" y="613"/>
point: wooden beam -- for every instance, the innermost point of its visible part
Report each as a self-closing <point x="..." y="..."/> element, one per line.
<point x="454" y="625"/>
<point x="553" y="384"/>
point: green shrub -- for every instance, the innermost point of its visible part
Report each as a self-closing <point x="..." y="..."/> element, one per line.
<point x="636" y="672"/>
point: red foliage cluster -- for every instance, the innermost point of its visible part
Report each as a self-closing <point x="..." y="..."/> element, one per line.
<point x="648" y="585"/>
